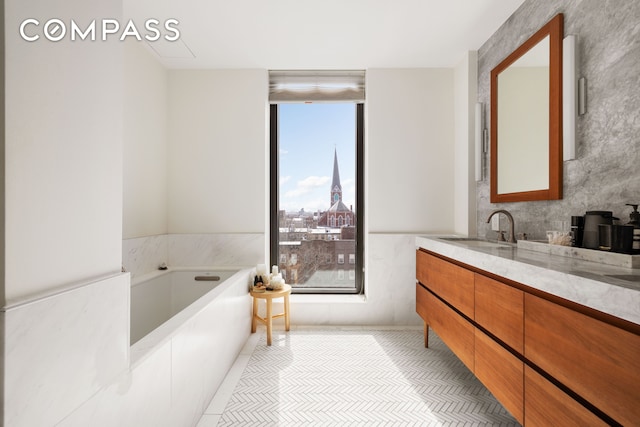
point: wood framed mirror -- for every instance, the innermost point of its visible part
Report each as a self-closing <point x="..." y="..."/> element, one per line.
<point x="526" y="119"/>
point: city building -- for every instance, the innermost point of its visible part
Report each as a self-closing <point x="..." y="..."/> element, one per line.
<point x="319" y="251"/>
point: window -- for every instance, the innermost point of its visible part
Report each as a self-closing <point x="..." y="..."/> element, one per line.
<point x="317" y="194"/>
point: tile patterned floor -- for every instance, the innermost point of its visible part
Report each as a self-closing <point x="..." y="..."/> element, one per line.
<point x="354" y="377"/>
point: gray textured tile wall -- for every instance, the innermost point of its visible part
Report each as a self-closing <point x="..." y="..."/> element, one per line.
<point x="606" y="172"/>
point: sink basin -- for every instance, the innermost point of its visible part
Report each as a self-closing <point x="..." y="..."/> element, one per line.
<point x="476" y="242"/>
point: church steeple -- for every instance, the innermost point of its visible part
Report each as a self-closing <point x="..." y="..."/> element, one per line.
<point x="336" y="187"/>
<point x="338" y="215"/>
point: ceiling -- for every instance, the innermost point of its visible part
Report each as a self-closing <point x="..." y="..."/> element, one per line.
<point x="327" y="34"/>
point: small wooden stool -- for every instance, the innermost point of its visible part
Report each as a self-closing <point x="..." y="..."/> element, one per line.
<point x="267" y="320"/>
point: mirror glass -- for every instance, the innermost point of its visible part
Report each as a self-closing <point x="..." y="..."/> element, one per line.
<point x="526" y="120"/>
<point x="523" y="108"/>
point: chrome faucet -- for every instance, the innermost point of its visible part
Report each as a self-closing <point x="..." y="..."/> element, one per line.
<point x="512" y="236"/>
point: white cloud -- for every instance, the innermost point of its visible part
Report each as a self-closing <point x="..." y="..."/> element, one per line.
<point x="284" y="179"/>
<point x="308" y="185"/>
<point x="349" y="192"/>
<point x="314" y="181"/>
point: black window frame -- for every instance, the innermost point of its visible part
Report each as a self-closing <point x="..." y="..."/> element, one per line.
<point x="274" y="196"/>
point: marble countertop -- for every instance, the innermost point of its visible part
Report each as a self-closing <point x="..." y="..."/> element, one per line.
<point x="588" y="283"/>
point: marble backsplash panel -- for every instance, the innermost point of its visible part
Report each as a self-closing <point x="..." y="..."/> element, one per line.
<point x="216" y="249"/>
<point x="606" y="173"/>
<point x="145" y="254"/>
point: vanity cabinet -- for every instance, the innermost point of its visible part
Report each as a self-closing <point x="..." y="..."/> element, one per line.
<point x="501" y="372"/>
<point x="598" y="361"/>
<point x="547" y="405"/>
<point x="452" y="283"/>
<point x="452" y="328"/>
<point x="549" y="362"/>
<point x="499" y="308"/>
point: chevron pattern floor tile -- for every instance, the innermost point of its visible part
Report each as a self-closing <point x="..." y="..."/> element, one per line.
<point x="358" y="377"/>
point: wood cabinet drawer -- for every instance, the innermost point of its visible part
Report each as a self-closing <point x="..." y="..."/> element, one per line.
<point x="452" y="283"/>
<point x="452" y="328"/>
<point x="422" y="302"/>
<point x="547" y="405"/>
<point x="501" y="372"/>
<point x="500" y="310"/>
<point x="596" y="360"/>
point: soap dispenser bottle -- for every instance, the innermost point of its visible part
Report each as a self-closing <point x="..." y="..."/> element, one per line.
<point x="635" y="221"/>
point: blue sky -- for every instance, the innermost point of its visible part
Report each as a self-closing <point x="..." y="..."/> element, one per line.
<point x="309" y="133"/>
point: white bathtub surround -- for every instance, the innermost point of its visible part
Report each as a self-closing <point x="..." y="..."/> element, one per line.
<point x="142" y="255"/>
<point x="230" y="249"/>
<point x="62" y="348"/>
<point x="177" y="368"/>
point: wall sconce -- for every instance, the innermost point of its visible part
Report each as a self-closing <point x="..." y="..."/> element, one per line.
<point x="481" y="136"/>
<point x="573" y="96"/>
<point x="582" y="96"/>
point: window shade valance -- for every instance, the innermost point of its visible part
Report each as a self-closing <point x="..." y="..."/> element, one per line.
<point x="306" y="85"/>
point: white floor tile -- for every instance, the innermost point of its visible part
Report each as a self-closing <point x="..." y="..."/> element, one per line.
<point x="222" y="396"/>
<point x="208" y="421"/>
<point x="360" y="375"/>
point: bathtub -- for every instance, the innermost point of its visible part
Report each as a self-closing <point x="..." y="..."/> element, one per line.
<point x="186" y="335"/>
<point x="188" y="326"/>
<point x="157" y="297"/>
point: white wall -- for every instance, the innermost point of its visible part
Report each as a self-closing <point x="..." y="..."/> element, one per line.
<point x="218" y="151"/>
<point x="63" y="204"/>
<point x="465" y="95"/>
<point x="63" y="152"/>
<point x="218" y="176"/>
<point x="409" y="150"/>
<point x="145" y="143"/>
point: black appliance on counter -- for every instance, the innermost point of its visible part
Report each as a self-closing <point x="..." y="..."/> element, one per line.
<point x="592" y="222"/>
